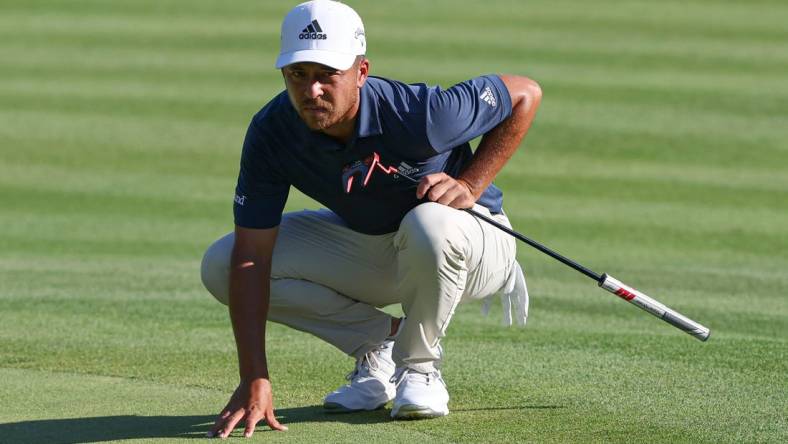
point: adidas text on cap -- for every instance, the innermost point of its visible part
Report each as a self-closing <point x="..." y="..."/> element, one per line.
<point x="322" y="31"/>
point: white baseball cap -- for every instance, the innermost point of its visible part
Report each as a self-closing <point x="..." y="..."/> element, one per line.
<point x="322" y="31"/>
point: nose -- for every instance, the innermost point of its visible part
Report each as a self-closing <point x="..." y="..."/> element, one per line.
<point x="314" y="89"/>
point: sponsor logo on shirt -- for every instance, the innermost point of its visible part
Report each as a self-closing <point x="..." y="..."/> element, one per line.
<point x="488" y="97"/>
<point x="361" y="170"/>
<point x="240" y="200"/>
<point x="313" y="31"/>
<point x="406" y="170"/>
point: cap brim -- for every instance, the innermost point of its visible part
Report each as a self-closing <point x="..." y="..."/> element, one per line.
<point x="336" y="60"/>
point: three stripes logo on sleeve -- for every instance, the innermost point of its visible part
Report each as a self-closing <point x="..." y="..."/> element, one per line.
<point x="312" y="32"/>
<point x="488" y="97"/>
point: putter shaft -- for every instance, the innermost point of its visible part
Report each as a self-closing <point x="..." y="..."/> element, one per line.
<point x="629" y="294"/>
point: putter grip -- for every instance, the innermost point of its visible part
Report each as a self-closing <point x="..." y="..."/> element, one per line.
<point x="654" y="307"/>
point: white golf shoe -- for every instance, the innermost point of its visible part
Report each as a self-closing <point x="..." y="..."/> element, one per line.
<point x="420" y="395"/>
<point x="370" y="386"/>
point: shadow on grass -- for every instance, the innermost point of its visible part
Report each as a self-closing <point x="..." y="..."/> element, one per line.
<point x="521" y="407"/>
<point x="109" y="428"/>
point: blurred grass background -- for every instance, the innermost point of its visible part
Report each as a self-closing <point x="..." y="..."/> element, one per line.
<point x="659" y="155"/>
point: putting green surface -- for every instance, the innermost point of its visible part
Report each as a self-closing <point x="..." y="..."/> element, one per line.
<point x="659" y="155"/>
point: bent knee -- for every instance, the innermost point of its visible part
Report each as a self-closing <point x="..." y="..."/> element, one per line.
<point x="215" y="268"/>
<point x="430" y="231"/>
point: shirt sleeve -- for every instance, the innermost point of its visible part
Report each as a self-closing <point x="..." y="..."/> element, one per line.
<point x="466" y="111"/>
<point x="261" y="192"/>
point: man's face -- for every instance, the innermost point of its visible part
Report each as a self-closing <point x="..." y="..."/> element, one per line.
<point x="324" y="96"/>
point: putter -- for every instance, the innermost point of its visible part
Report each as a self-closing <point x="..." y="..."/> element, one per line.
<point x="613" y="285"/>
<point x="609" y="283"/>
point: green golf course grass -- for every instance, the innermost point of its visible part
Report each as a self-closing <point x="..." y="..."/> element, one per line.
<point x="659" y="155"/>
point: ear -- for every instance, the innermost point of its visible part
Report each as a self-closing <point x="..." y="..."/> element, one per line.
<point x="363" y="72"/>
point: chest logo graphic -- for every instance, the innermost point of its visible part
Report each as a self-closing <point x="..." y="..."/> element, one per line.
<point x="361" y="170"/>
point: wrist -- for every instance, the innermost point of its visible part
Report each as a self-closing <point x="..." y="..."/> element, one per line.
<point x="471" y="188"/>
<point x="252" y="368"/>
<point x="247" y="380"/>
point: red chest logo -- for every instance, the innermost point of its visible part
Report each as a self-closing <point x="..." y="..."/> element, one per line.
<point x="361" y="170"/>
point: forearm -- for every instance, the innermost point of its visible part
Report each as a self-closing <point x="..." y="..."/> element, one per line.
<point x="499" y="144"/>
<point x="249" y="299"/>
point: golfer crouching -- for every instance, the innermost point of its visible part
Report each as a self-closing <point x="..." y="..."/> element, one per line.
<point x="346" y="139"/>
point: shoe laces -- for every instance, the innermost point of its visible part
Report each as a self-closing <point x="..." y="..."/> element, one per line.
<point x="408" y="373"/>
<point x="370" y="361"/>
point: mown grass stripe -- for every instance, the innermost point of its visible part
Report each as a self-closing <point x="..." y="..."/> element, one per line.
<point x="552" y="64"/>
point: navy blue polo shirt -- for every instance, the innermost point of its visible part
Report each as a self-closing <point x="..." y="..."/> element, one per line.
<point x="401" y="129"/>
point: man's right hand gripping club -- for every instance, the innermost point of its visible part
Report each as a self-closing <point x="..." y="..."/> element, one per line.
<point x="250" y="274"/>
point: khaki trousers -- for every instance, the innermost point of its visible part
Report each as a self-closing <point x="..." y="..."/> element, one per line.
<point x="329" y="280"/>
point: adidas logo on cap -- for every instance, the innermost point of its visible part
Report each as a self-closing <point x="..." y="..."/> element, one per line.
<point x="313" y="31"/>
<point x="305" y="35"/>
